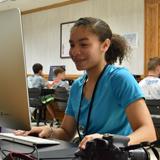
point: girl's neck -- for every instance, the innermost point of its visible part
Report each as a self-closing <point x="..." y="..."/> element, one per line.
<point x="94" y="73"/>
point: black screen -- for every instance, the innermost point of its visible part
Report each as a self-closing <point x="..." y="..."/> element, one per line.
<point x="51" y="71"/>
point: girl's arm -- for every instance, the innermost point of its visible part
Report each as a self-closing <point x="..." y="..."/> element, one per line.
<point x="65" y="132"/>
<point x="141" y="122"/>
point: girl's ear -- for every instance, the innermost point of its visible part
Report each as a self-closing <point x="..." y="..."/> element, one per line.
<point x="105" y="45"/>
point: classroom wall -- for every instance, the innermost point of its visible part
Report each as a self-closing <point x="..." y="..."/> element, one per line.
<point x="42" y="31"/>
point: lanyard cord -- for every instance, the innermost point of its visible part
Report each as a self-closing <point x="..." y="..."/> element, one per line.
<point x="90" y="105"/>
<point x="80" y="109"/>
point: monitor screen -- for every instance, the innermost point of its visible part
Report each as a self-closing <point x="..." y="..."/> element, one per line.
<point x="137" y="77"/>
<point x="51" y="75"/>
<point x="14" y="104"/>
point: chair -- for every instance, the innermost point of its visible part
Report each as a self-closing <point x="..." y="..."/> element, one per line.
<point x="35" y="102"/>
<point x="61" y="97"/>
<point x="154" y="108"/>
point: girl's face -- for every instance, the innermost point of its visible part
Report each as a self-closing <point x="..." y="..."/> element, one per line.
<point x="86" y="50"/>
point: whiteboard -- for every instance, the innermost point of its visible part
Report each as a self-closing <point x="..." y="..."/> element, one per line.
<point x="64" y="38"/>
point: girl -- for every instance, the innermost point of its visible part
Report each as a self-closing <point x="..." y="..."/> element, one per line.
<point x="107" y="99"/>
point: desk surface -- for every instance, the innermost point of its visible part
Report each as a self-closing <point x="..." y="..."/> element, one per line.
<point x="52" y="152"/>
<point x="57" y="151"/>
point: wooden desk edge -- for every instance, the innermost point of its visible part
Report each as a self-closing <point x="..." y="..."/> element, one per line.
<point x="68" y="76"/>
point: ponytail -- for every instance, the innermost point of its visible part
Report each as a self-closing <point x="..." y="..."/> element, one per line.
<point x="117" y="50"/>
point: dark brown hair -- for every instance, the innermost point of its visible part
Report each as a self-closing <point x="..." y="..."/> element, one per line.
<point x="59" y="70"/>
<point x="37" y="67"/>
<point x="118" y="48"/>
<point x="153" y="63"/>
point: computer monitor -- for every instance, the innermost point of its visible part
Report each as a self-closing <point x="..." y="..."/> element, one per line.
<point x="51" y="71"/>
<point x="14" y="104"/>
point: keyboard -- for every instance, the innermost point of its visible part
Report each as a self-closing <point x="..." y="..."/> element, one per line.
<point x="28" y="140"/>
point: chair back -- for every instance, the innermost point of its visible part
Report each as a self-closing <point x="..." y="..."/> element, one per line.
<point x="154" y="108"/>
<point x="35" y="97"/>
<point x="61" y="95"/>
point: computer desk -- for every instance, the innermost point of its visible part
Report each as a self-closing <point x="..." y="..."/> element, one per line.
<point x="63" y="150"/>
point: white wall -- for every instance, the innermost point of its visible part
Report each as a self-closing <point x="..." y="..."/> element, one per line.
<point x="42" y="30"/>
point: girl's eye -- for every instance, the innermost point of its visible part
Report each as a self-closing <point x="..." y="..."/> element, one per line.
<point x="84" y="45"/>
<point x="71" y="45"/>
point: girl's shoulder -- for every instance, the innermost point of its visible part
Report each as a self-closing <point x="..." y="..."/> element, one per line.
<point x="80" y="80"/>
<point x="78" y="83"/>
<point x="117" y="71"/>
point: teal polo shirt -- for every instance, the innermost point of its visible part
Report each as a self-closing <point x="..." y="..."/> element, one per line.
<point x="117" y="88"/>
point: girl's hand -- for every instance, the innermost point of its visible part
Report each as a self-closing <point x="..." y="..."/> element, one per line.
<point x="87" y="138"/>
<point x="43" y="132"/>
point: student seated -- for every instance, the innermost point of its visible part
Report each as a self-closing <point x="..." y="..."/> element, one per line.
<point x="107" y="99"/>
<point x="151" y="84"/>
<point x="37" y="81"/>
<point x="59" y="79"/>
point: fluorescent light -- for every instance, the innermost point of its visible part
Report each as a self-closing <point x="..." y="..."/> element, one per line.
<point x="1" y="1"/>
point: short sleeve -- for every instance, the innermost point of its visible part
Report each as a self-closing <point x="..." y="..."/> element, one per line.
<point x="125" y="87"/>
<point x="43" y="82"/>
<point x="29" y="81"/>
<point x="69" y="109"/>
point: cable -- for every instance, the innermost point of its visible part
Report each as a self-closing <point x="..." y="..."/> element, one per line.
<point x="58" y="158"/>
<point x="27" y="155"/>
<point x="3" y="152"/>
<point x="37" y="153"/>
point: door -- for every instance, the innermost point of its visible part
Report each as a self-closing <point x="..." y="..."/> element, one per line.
<point x="152" y="30"/>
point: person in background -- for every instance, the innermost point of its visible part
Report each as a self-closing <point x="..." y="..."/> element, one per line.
<point x="37" y="81"/>
<point x="151" y="84"/>
<point x="59" y="80"/>
<point x="107" y="99"/>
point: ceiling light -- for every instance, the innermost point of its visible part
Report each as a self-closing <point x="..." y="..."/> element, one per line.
<point x="3" y="1"/>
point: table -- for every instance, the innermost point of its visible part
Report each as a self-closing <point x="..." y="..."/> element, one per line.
<point x="65" y="149"/>
<point x="61" y="151"/>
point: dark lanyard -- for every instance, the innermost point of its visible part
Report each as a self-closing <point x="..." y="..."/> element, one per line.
<point x="90" y="105"/>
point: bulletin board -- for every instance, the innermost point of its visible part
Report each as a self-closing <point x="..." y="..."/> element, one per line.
<point x="132" y="39"/>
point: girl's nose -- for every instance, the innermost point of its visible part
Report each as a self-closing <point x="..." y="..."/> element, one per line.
<point x="75" y="51"/>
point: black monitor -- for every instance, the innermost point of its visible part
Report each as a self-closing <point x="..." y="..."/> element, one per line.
<point x="137" y="77"/>
<point x="51" y="75"/>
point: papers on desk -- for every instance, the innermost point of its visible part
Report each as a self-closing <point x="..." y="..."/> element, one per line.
<point x="28" y="140"/>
